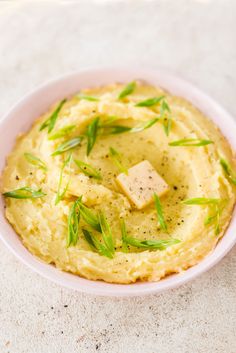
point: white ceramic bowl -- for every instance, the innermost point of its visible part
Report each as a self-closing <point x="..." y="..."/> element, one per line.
<point x="22" y="115"/>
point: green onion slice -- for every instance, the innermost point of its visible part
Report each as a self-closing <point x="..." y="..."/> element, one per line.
<point x="60" y="195"/>
<point x="68" y="145"/>
<point x="96" y="245"/>
<point x="160" y="213"/>
<point x="87" y="98"/>
<point x="89" y="217"/>
<point x="51" y="121"/>
<point x="24" y="193"/>
<point x="116" y="158"/>
<point x="73" y="224"/>
<point x="66" y="130"/>
<point x="35" y="161"/>
<point x="92" y="132"/>
<point x="106" y="232"/>
<point x="192" y="142"/>
<point x="127" y="90"/>
<point x="88" y="170"/>
<point x="150" y="102"/>
<point x="228" y="170"/>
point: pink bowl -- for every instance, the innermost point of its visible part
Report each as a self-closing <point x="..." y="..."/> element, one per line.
<point x="22" y="115"/>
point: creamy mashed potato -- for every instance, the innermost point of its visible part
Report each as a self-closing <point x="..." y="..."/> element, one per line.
<point x="190" y="172"/>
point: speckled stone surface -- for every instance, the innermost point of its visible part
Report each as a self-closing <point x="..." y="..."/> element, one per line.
<point x="40" y="40"/>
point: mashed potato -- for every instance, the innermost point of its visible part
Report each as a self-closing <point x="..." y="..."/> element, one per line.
<point x="190" y="172"/>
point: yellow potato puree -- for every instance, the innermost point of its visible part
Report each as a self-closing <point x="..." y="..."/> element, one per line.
<point x="185" y="148"/>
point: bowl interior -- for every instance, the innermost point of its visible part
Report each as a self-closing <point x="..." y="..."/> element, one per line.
<point x="22" y="115"/>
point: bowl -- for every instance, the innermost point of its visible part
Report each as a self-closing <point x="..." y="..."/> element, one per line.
<point x="21" y="117"/>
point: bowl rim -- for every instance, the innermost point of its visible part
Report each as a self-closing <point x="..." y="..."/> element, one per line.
<point x="170" y="82"/>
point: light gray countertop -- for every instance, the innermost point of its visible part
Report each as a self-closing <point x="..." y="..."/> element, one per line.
<point x="42" y="39"/>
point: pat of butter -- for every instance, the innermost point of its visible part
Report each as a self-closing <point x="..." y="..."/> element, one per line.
<point x="141" y="183"/>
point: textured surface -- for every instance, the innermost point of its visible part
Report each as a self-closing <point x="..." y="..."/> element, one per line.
<point x="40" y="40"/>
